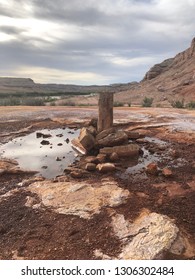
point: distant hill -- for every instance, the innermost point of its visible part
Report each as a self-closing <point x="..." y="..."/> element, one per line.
<point x="9" y="85"/>
<point x="172" y="79"/>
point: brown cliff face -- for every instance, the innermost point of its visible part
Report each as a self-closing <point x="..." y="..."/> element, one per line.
<point x="157" y="69"/>
<point x="173" y="79"/>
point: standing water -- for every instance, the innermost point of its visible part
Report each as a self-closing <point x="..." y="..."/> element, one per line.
<point x="47" y="151"/>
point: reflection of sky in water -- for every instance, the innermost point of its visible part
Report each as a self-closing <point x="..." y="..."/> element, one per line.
<point x="31" y="155"/>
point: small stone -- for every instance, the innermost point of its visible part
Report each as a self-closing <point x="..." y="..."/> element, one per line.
<point x="44" y="167"/>
<point x="114" y="157"/>
<point x="46" y="135"/>
<point x="167" y="172"/>
<point x="59" y="144"/>
<point x="58" y="159"/>
<point x="67" y="140"/>
<point x="90" y="167"/>
<point x="39" y="134"/>
<point x="59" y="135"/>
<point x="45" y="142"/>
<point x="106" y="167"/>
<point x="152" y="168"/>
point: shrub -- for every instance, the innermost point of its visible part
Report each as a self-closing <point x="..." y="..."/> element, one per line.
<point x="147" y="102"/>
<point x="177" y="104"/>
<point x="12" y="101"/>
<point x="67" y="103"/>
<point x="191" y="105"/>
<point x="32" y="102"/>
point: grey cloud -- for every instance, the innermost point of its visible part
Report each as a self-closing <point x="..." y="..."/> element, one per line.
<point x="11" y="30"/>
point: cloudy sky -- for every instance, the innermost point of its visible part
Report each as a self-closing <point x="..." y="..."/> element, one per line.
<point x="91" y="41"/>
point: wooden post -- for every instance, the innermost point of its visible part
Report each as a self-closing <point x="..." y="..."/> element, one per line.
<point x="105" y="118"/>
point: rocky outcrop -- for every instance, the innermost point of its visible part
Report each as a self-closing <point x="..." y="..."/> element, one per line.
<point x="157" y="69"/>
<point x="80" y="199"/>
<point x="147" y="238"/>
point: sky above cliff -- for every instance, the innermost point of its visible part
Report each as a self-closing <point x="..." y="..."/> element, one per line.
<point x="91" y="42"/>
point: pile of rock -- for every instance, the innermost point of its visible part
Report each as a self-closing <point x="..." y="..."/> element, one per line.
<point x="109" y="146"/>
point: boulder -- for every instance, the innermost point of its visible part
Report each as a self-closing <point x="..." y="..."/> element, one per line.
<point x="130" y="150"/>
<point x="105" y="133"/>
<point x="113" y="139"/>
<point x="106" y="167"/>
<point x="86" y="139"/>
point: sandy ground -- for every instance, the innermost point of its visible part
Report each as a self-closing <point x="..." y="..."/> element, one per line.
<point x="27" y="233"/>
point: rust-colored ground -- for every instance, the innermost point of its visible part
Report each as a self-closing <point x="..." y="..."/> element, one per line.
<point x="27" y="233"/>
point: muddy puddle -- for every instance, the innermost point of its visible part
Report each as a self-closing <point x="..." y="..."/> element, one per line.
<point x="46" y="151"/>
<point x="137" y="167"/>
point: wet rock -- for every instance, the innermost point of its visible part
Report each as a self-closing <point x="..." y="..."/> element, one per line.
<point x="106" y="167"/>
<point x="39" y="134"/>
<point x="133" y="135"/>
<point x="47" y="135"/>
<point x="78" y="147"/>
<point x="80" y="199"/>
<point x="113" y="139"/>
<point x="84" y="143"/>
<point x="91" y="159"/>
<point x="147" y="238"/>
<point x="90" y="167"/>
<point x="167" y="172"/>
<point x="152" y="168"/>
<point x="101" y="158"/>
<point x="58" y="159"/>
<point x="44" y="167"/>
<point x="42" y="135"/>
<point x="86" y="139"/>
<point x="114" y="157"/>
<point x="59" y="144"/>
<point x="45" y="142"/>
<point x="130" y="150"/>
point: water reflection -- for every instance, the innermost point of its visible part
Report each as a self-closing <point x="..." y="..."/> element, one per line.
<point x="48" y="159"/>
